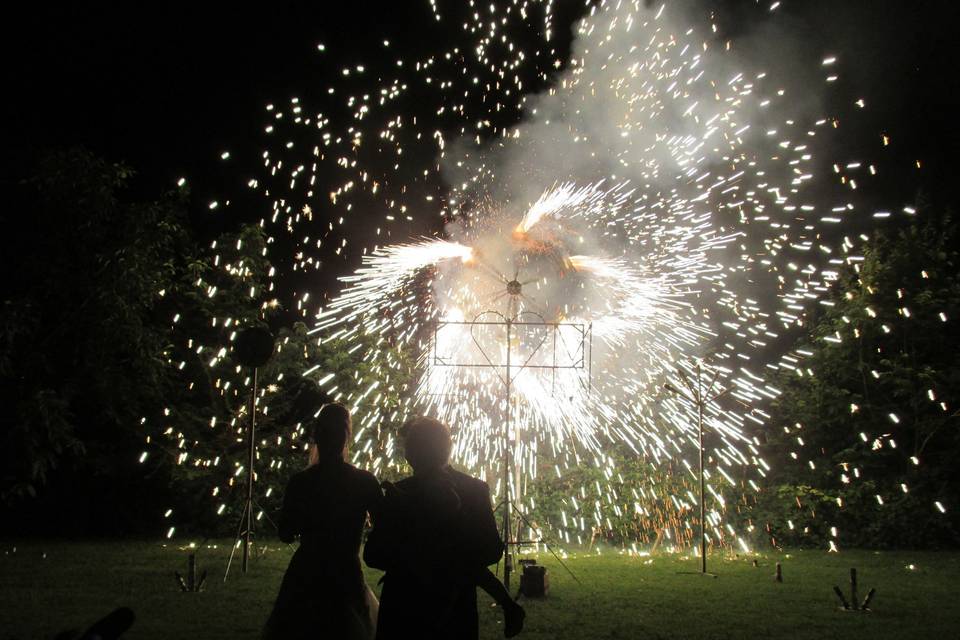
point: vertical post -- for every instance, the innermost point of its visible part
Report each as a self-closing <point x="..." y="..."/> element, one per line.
<point x="703" y="540"/>
<point x="553" y="369"/>
<point x="192" y="572"/>
<point x="854" y="596"/>
<point x="507" y="455"/>
<point x="590" y="360"/>
<point x="251" y="460"/>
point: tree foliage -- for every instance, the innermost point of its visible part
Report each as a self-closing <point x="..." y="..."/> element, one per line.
<point x="618" y="497"/>
<point x="125" y="400"/>
<point x="81" y="351"/>
<point x="200" y="435"/>
<point x="865" y="431"/>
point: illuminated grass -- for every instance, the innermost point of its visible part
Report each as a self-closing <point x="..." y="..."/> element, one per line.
<point x="620" y="597"/>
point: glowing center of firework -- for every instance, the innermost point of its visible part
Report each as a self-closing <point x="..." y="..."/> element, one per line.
<point x="581" y="325"/>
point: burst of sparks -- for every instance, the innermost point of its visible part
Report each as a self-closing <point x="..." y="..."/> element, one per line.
<point x="655" y="206"/>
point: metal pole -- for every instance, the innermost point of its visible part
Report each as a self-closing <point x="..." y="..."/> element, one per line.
<point x="703" y="540"/>
<point x="251" y="458"/>
<point x="590" y="361"/>
<point x="507" y="455"/>
<point x="553" y="370"/>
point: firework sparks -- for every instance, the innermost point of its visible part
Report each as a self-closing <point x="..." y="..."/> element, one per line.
<point x="682" y="223"/>
<point x="645" y="303"/>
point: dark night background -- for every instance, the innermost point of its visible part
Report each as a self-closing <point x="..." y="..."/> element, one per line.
<point x="166" y="87"/>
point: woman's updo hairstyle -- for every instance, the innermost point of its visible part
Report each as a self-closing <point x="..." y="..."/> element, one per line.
<point x="331" y="430"/>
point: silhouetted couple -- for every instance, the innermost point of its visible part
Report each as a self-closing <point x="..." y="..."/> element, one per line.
<point x="434" y="535"/>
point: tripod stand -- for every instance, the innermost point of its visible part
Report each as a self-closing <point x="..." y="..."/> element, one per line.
<point x="245" y="526"/>
<point x="254" y="348"/>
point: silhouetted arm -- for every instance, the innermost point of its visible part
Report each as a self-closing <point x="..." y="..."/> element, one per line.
<point x="488" y="547"/>
<point x="479" y="544"/>
<point x="374" y="500"/>
<point x="381" y="548"/>
<point x="290" y="523"/>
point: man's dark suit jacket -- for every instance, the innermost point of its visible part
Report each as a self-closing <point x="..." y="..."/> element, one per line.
<point x="429" y="590"/>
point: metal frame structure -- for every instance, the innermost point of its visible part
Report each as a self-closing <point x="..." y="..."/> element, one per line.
<point x="581" y="360"/>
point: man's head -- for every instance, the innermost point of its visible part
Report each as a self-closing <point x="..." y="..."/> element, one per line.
<point x="331" y="430"/>
<point x="426" y="443"/>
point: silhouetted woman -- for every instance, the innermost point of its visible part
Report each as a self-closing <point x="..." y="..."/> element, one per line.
<point x="323" y="594"/>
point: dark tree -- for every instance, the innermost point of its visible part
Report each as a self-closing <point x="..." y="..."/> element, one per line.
<point x="81" y="340"/>
<point x="865" y="435"/>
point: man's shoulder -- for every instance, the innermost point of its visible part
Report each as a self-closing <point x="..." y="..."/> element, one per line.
<point x="466" y="482"/>
<point x="362" y="476"/>
<point x="360" y="473"/>
<point x="406" y="484"/>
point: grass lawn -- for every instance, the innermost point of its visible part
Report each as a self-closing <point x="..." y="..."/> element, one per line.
<point x="49" y="587"/>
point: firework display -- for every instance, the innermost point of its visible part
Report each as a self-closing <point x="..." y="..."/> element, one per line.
<point x="658" y="198"/>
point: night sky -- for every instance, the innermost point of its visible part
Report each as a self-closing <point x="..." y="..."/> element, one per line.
<point x="167" y="88"/>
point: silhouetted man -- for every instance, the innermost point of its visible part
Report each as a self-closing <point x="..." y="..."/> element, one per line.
<point x="435" y="537"/>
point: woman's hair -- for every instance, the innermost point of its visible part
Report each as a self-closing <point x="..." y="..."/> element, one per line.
<point x="427" y="443"/>
<point x="331" y="430"/>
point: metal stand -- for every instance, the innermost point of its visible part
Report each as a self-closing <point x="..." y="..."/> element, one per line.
<point x="245" y="526"/>
<point x="854" y="604"/>
<point x="511" y="370"/>
<point x="254" y="347"/>
<point x="700" y="398"/>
